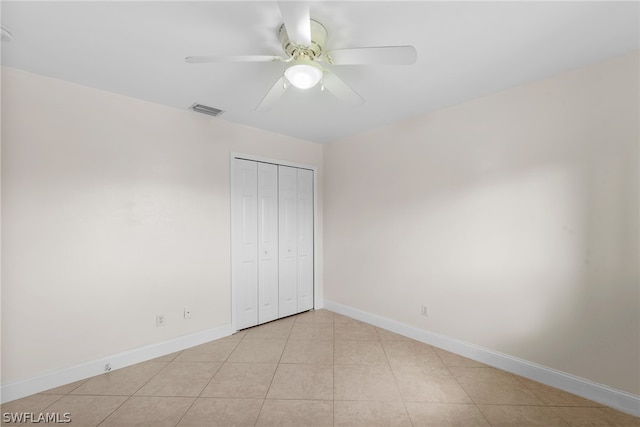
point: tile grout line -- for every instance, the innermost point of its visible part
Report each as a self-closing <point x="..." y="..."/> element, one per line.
<point x="130" y="395"/>
<point x="113" y="412"/>
<point x="475" y="405"/>
<point x="395" y="380"/>
<point x="62" y="396"/>
<point x="208" y="382"/>
<point x="199" y="394"/>
<point x="274" y="373"/>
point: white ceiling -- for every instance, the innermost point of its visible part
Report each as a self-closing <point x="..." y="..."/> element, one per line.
<point x="465" y="50"/>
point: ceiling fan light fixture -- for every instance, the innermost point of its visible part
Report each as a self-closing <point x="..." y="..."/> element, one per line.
<point x="303" y="73"/>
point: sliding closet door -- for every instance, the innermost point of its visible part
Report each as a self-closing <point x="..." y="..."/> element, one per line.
<point x="288" y="242"/>
<point x="245" y="247"/>
<point x="267" y="242"/>
<point x="305" y="240"/>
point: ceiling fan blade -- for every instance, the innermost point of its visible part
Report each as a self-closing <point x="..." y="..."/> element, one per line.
<point x="384" y="55"/>
<point x="236" y="58"/>
<point x="341" y="90"/>
<point x="273" y="95"/>
<point x="297" y="21"/>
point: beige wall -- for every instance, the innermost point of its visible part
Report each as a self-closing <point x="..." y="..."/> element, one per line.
<point x="114" y="210"/>
<point x="513" y="217"/>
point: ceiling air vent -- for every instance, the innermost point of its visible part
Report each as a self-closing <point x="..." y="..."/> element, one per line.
<point x="199" y="108"/>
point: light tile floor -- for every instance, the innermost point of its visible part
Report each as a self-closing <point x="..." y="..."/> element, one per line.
<point x="316" y="369"/>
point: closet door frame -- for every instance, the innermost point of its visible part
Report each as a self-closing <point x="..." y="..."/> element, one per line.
<point x="243" y="156"/>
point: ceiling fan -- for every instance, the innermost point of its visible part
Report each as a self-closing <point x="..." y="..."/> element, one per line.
<point x="303" y="40"/>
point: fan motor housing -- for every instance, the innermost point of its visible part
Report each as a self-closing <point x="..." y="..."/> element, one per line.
<point x="318" y="39"/>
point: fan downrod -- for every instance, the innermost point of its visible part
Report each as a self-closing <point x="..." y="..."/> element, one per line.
<point x="318" y="39"/>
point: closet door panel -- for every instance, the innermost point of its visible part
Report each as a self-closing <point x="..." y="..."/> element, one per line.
<point x="305" y="240"/>
<point x="245" y="232"/>
<point x="288" y="241"/>
<point x="273" y="232"/>
<point x="267" y="242"/>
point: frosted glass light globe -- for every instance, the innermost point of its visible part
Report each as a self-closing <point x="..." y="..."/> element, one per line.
<point x="303" y="73"/>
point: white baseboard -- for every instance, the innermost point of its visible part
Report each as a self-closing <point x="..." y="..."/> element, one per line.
<point x="605" y="395"/>
<point x="71" y="374"/>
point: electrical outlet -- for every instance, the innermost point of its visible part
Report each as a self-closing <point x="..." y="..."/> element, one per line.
<point x="159" y="319"/>
<point x="424" y="311"/>
<point x="187" y="313"/>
